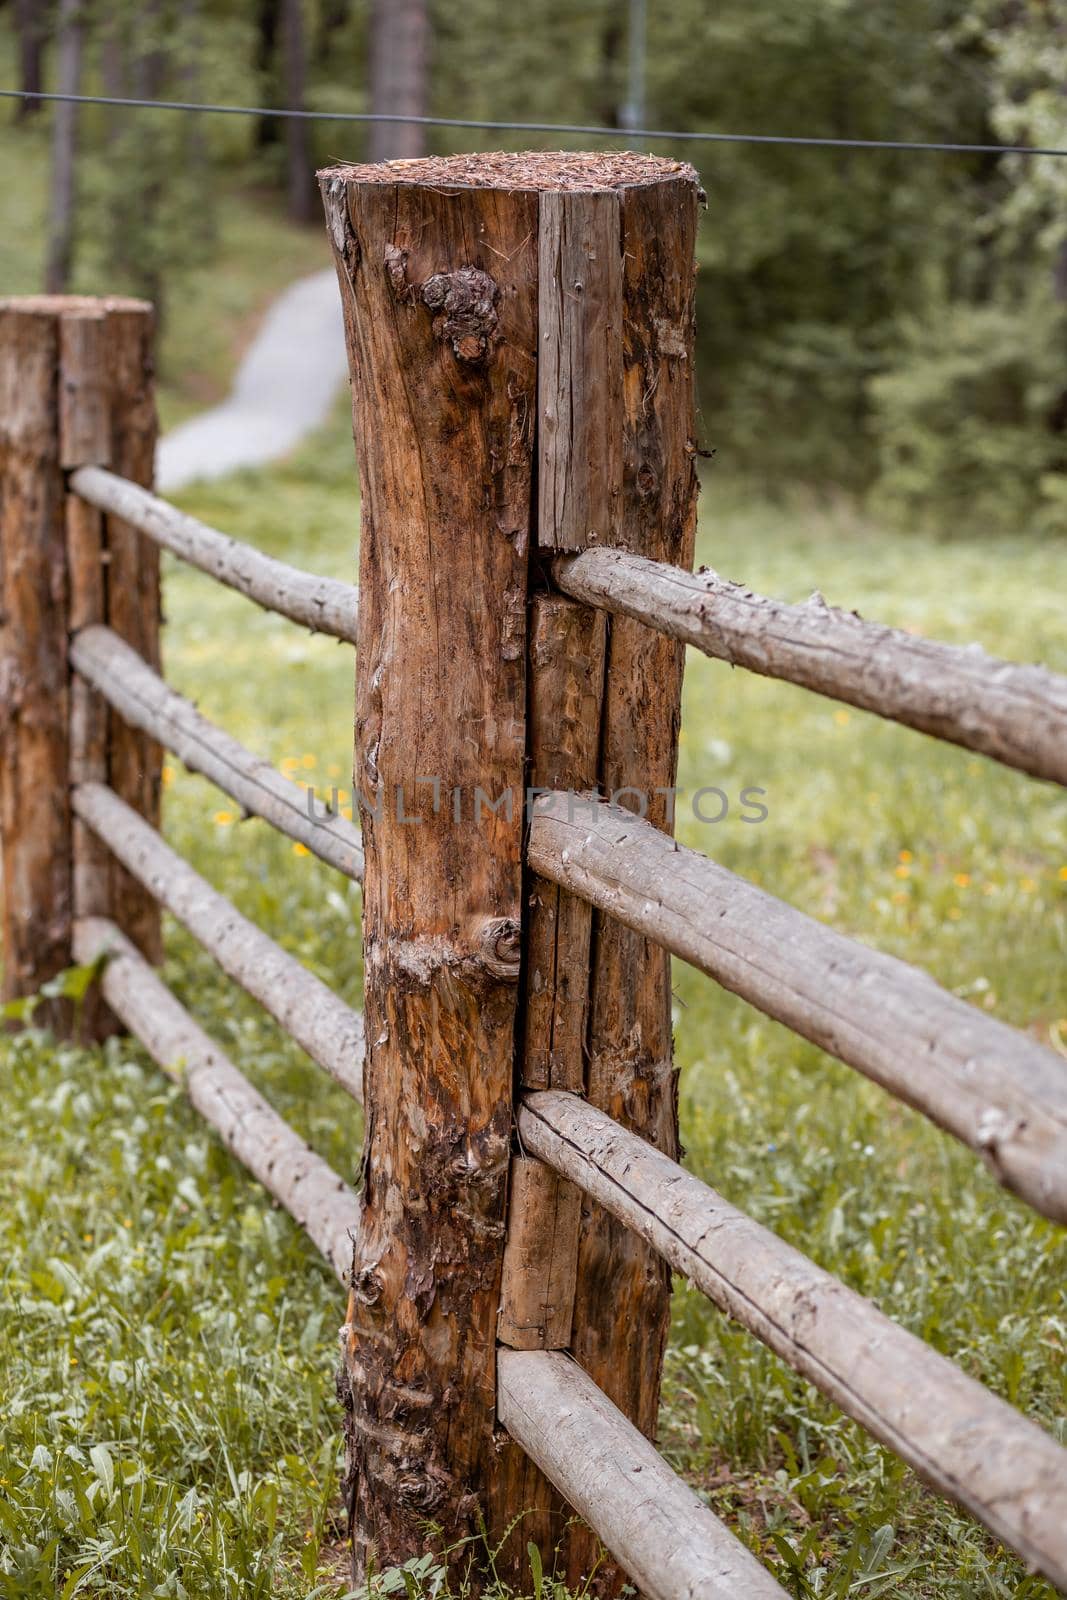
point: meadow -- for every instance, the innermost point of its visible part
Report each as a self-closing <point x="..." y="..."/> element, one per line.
<point x="168" y="1340"/>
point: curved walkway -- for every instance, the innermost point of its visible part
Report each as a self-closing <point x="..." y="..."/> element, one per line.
<point x="284" y="389"/>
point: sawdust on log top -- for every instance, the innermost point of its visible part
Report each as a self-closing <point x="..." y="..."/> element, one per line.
<point x="525" y="169"/>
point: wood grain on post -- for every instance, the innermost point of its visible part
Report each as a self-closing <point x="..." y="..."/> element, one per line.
<point x="85" y="437"/>
<point x="622" y="1306"/>
<point x="35" y="822"/>
<point x="438" y="262"/>
<point x="439" y="291"/>
<point x="566" y="683"/>
<point x="133" y="597"/>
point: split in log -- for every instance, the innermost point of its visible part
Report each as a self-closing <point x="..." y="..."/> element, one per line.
<point x="655" y="1526"/>
<point x="1013" y="712"/>
<point x="967" y="1443"/>
<point x="329" y="1031"/>
<point x="322" y="604"/>
<point x="991" y="1086"/>
<point x="622" y="1301"/>
<point x="140" y="696"/>
<point x="301" y="1181"/>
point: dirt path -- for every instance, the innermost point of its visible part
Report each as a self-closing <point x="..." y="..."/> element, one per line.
<point x="284" y="388"/>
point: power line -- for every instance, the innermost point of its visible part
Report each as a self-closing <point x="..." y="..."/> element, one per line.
<point x="670" y="134"/>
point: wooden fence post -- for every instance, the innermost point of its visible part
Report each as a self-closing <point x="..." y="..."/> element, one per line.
<point x="500" y="309"/>
<point x="75" y="389"/>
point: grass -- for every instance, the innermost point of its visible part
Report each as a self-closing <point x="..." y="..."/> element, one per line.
<point x="169" y="1343"/>
<point x="168" y="1340"/>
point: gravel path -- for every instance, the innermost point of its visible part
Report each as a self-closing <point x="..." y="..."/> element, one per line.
<point x="284" y="389"/>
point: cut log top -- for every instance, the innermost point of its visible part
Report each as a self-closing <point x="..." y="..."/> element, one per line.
<point x="591" y="171"/>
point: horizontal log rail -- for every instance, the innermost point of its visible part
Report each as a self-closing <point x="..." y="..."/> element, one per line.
<point x="140" y="695"/>
<point x="321" y="1024"/>
<point x="964" y="1441"/>
<point x="323" y="604"/>
<point x="990" y="1085"/>
<point x="655" y="1526"/>
<point x="301" y="1181"/>
<point x="1015" y="713"/>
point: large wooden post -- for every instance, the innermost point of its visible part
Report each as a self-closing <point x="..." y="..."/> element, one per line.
<point x="503" y="313"/>
<point x="75" y="389"/>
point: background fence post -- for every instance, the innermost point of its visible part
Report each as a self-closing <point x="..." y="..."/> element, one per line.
<point x="452" y="350"/>
<point x="75" y="389"/>
<point x="35" y="823"/>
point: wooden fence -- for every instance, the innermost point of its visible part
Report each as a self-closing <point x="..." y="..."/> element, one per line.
<point x="520" y="338"/>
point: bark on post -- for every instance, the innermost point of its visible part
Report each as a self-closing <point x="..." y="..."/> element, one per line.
<point x="438" y="262"/>
<point x="438" y="284"/>
<point x="75" y="388"/>
<point x="135" y="760"/>
<point x="622" y="1306"/>
<point x="34" y="796"/>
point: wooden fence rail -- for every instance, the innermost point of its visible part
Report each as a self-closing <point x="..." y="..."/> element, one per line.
<point x="1015" y="713"/>
<point x="965" y="1442"/>
<point x="329" y="1031"/>
<point x="508" y="1254"/>
<point x="322" y="604"/>
<point x="659" y="1530"/>
<point x="301" y="1181"/>
<point x="142" y="698"/>
<point x="993" y="1087"/>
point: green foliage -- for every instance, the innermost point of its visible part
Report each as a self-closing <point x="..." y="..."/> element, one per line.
<point x="965" y="407"/>
<point x="895" y="320"/>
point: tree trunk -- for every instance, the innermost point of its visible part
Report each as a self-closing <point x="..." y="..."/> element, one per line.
<point x="64" y="149"/>
<point x="438" y="263"/>
<point x="268" y="17"/>
<point x="399" y="61"/>
<point x="299" y="186"/>
<point x="31" y="34"/>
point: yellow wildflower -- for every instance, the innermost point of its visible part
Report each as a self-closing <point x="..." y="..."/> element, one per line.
<point x="962" y="880"/>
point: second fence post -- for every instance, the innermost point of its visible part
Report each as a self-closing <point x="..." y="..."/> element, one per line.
<point x="511" y="322"/>
<point x="76" y="388"/>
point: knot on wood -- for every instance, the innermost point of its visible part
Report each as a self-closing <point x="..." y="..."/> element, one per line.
<point x="367" y="1286"/>
<point x="421" y="1491"/>
<point x="396" y="268"/>
<point x="499" y="948"/>
<point x="465" y="307"/>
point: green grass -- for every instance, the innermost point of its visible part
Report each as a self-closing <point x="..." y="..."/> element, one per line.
<point x="168" y="1340"/>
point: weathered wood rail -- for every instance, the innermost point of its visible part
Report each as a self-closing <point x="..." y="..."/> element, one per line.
<point x="520" y="338"/>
